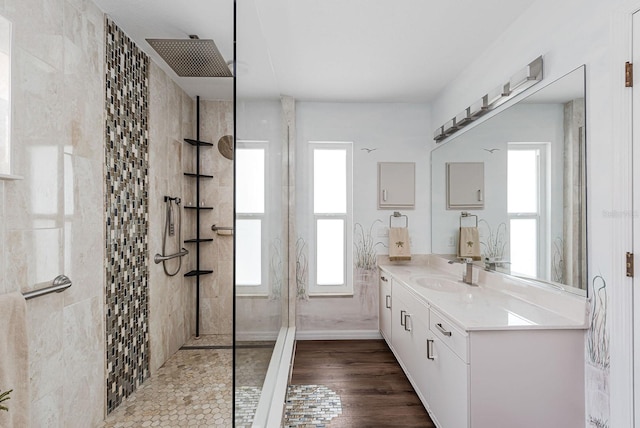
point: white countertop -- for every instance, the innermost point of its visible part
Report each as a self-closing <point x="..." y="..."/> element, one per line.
<point x="498" y="302"/>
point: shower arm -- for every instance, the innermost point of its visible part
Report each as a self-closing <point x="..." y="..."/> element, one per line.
<point x="160" y="258"/>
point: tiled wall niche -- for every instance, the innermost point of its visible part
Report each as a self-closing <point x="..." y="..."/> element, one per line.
<point x="127" y="215"/>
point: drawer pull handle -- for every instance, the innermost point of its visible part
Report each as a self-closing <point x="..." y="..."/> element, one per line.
<point x="402" y="318"/>
<point x="407" y="326"/>
<point x="430" y="349"/>
<point x="384" y="279"/>
<point x="387" y="302"/>
<point x="442" y="330"/>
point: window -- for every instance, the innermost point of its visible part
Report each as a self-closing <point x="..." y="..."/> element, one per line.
<point x="5" y="96"/>
<point x="331" y="212"/>
<point x="251" y="161"/>
<point x="526" y="165"/>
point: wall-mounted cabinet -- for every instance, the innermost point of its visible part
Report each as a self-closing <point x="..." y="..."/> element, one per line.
<point x="465" y="185"/>
<point x="396" y="185"/>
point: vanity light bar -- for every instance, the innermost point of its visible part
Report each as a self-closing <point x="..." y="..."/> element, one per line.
<point x="519" y="82"/>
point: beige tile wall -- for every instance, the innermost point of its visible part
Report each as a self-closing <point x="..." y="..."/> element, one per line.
<point x="216" y="291"/>
<point x="171" y="298"/>
<point x="52" y="221"/>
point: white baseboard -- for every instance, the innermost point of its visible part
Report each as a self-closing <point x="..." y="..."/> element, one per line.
<point x="338" y="334"/>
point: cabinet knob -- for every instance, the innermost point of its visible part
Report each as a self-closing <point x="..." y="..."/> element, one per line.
<point x="402" y="317"/>
<point x="387" y="302"/>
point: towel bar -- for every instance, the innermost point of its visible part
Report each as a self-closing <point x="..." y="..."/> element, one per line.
<point x="468" y="214"/>
<point x="60" y="283"/>
<point x="216" y="228"/>
<point x="160" y="258"/>
<point x="397" y="214"/>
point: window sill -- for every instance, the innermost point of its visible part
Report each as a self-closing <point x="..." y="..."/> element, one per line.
<point x="11" y="177"/>
<point x="335" y="294"/>
<point x="264" y="295"/>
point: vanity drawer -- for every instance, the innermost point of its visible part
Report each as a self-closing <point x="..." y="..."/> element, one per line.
<point x="413" y="304"/>
<point x="450" y="335"/>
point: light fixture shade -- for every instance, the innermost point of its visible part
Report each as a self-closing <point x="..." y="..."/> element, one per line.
<point x="478" y="108"/>
<point x="527" y="77"/>
<point x="450" y="127"/>
<point x="464" y="117"/>
<point x="498" y="96"/>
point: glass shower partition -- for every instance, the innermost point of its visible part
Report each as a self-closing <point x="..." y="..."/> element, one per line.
<point x="263" y="339"/>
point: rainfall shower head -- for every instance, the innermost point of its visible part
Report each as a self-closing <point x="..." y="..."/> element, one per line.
<point x="192" y="57"/>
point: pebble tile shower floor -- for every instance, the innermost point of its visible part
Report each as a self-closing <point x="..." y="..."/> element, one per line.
<point x="192" y="389"/>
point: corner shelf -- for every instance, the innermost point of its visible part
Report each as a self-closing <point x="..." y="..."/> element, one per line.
<point x="198" y="142"/>
<point x="191" y="174"/>
<point x="198" y="208"/>
<point x="198" y="273"/>
<point x="197" y="240"/>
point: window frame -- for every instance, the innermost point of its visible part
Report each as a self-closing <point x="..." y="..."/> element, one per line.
<point x="262" y="289"/>
<point x="541" y="216"/>
<point x="345" y="289"/>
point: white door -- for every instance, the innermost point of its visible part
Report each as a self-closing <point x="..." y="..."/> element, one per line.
<point x="636" y="220"/>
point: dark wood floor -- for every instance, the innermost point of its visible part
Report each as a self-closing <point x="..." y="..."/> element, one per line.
<point x="372" y="386"/>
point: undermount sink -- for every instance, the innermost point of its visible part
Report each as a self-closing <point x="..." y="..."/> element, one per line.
<point x="437" y="283"/>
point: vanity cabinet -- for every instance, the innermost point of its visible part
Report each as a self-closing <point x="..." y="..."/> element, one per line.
<point x="484" y="378"/>
<point x="409" y="316"/>
<point x="438" y="375"/>
<point x="443" y="350"/>
<point x="396" y="185"/>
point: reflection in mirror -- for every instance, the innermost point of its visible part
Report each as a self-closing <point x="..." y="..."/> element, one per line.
<point x="5" y="96"/>
<point x="533" y="223"/>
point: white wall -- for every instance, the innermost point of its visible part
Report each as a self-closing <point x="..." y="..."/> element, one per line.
<point x="397" y="132"/>
<point x="568" y="34"/>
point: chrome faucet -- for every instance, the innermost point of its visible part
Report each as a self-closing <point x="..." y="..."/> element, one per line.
<point x="467" y="277"/>
<point x="491" y="265"/>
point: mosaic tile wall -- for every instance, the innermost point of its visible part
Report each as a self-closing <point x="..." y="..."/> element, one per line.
<point x="127" y="215"/>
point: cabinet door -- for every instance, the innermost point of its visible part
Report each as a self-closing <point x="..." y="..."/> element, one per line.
<point x="465" y="185"/>
<point x="385" y="307"/>
<point x="424" y="366"/>
<point x="402" y="335"/>
<point x="396" y="185"/>
<point x="447" y="376"/>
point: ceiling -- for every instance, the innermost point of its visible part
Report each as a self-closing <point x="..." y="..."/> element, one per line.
<point x="325" y="50"/>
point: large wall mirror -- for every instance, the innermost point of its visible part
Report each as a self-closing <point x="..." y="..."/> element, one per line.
<point x="533" y="220"/>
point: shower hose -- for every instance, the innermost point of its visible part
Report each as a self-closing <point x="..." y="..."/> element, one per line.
<point x="169" y="230"/>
